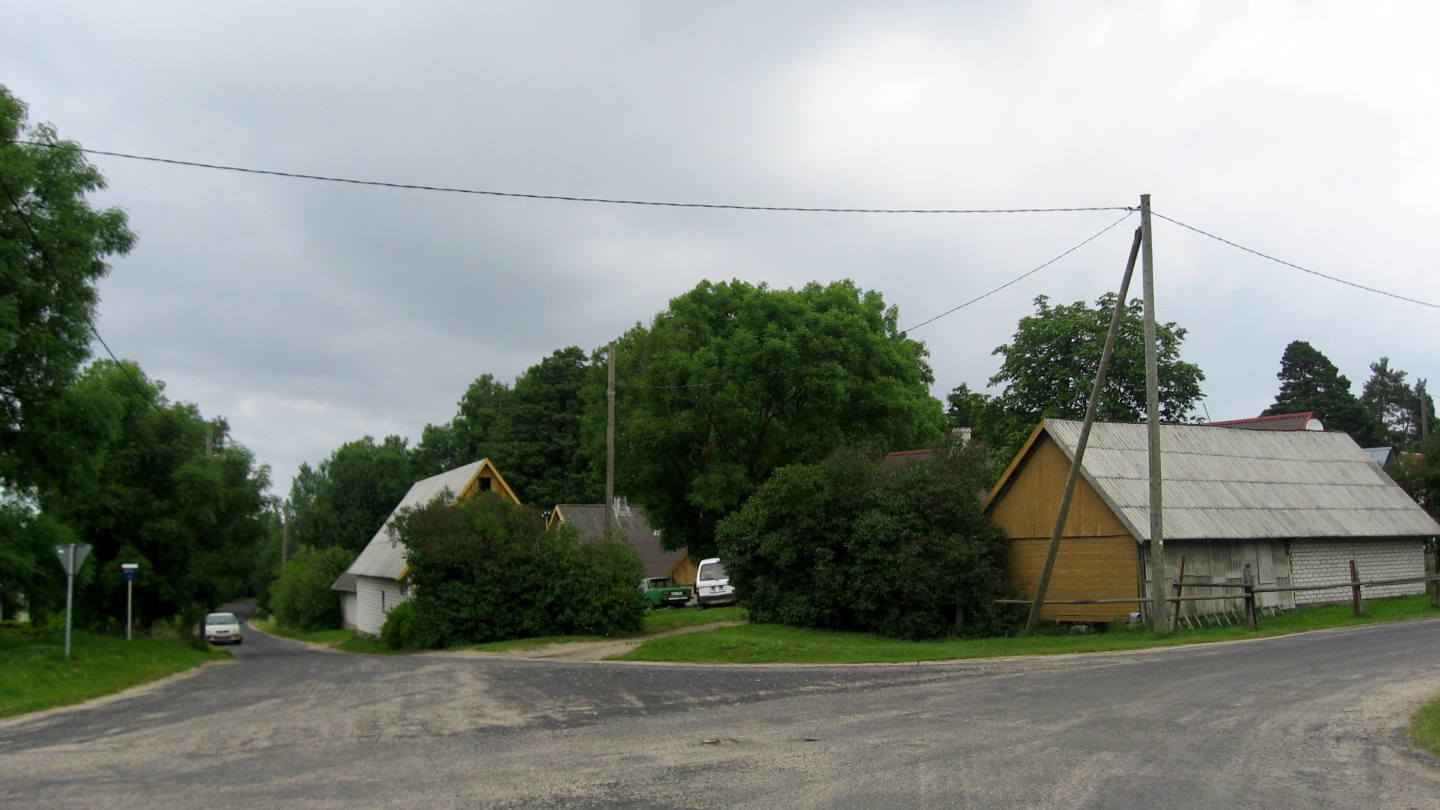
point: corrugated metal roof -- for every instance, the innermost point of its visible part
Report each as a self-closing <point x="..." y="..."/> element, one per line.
<point x="589" y="521"/>
<point x="1235" y="484"/>
<point x="385" y="556"/>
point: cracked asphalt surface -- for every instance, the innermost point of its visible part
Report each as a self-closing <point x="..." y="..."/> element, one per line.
<point x="1314" y="720"/>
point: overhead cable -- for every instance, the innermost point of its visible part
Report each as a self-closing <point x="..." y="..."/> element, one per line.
<point x="570" y="198"/>
<point x="1254" y="252"/>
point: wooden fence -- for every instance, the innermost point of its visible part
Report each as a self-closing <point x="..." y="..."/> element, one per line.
<point x="1248" y="588"/>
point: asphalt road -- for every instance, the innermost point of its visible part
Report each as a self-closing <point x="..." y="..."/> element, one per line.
<point x="1312" y="721"/>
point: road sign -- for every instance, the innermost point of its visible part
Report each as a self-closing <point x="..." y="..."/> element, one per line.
<point x="72" y="556"/>
<point x="129" y="572"/>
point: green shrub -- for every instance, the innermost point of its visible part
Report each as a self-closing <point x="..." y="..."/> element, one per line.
<point x="487" y="570"/>
<point x="301" y="597"/>
<point x="398" y="632"/>
<point x="853" y="544"/>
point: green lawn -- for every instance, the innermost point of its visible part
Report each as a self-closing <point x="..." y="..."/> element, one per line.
<point x="1425" y="726"/>
<point x="34" y="674"/>
<point x="773" y="644"/>
<point x="317" y="636"/>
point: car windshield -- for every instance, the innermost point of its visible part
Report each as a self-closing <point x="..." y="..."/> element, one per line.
<point x="221" y="618"/>
<point x="713" y="571"/>
<point x="663" y="582"/>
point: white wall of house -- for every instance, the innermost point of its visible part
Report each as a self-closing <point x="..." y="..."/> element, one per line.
<point x="1320" y="561"/>
<point x="375" y="597"/>
<point x="349" y="610"/>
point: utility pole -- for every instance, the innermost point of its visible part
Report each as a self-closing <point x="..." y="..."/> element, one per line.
<point x="610" y="446"/>
<point x="285" y="533"/>
<point x="1159" y="607"/>
<point x="1075" y="465"/>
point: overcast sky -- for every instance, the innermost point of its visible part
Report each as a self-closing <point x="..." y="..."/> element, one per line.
<point x="310" y="314"/>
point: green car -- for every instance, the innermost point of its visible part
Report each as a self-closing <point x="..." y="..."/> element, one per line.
<point x="663" y="592"/>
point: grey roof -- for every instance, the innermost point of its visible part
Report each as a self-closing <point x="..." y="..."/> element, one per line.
<point x="1228" y="483"/>
<point x="589" y="521"/>
<point x="1379" y="455"/>
<point x="384" y="556"/>
<point x="345" y="584"/>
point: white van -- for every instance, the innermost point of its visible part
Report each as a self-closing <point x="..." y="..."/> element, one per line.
<point x="712" y="584"/>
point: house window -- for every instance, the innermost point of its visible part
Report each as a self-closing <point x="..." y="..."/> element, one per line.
<point x="484" y="484"/>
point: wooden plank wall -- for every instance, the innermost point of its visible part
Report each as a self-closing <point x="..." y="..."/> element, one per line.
<point x="1098" y="558"/>
<point x="1225" y="561"/>
<point x="1085" y="568"/>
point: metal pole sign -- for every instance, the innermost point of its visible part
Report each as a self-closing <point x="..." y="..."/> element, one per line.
<point x="130" y="572"/>
<point x="72" y="556"/>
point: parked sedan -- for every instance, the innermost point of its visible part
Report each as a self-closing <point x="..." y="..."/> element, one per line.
<point x="222" y="628"/>
<point x="663" y="592"/>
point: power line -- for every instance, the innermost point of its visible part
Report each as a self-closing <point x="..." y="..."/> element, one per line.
<point x="901" y="333"/>
<point x="569" y="198"/>
<point x="1254" y="252"/>
<point x="45" y="254"/>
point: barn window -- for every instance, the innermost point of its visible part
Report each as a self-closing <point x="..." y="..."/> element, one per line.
<point x="484" y="484"/>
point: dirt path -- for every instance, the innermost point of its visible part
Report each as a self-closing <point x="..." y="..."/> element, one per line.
<point x="590" y="650"/>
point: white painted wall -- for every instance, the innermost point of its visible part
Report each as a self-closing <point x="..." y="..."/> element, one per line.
<point x="1320" y="561"/>
<point x="375" y="597"/>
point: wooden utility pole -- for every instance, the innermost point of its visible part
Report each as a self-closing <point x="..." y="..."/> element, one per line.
<point x="610" y="446"/>
<point x="1159" y="607"/>
<point x="285" y="533"/>
<point x="1090" y="408"/>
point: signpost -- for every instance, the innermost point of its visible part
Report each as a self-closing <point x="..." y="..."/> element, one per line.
<point x="72" y="556"/>
<point x="130" y="572"/>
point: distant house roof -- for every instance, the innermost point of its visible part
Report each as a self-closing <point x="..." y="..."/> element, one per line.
<point x="1380" y="455"/>
<point x="1280" y="421"/>
<point x="589" y="520"/>
<point x="384" y="556"/>
<point x="1233" y="484"/>
<point x="901" y="458"/>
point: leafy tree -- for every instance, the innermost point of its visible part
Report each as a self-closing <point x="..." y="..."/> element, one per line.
<point x="541" y="450"/>
<point x="302" y="598"/>
<point x="1049" y="365"/>
<point x="53" y="247"/>
<point x="851" y="544"/>
<point x="473" y="434"/>
<point x="349" y="496"/>
<point x="190" y="519"/>
<point x="1419" y="475"/>
<point x="735" y="380"/>
<point x="486" y="570"/>
<point x="1396" y="404"/>
<point x="1310" y="382"/>
<point x="998" y="431"/>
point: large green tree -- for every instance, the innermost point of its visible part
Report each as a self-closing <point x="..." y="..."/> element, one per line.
<point x="1310" y="382"/>
<point x="53" y="247"/>
<point x="191" y="517"/>
<point x="1397" y="404"/>
<point x="736" y="380"/>
<point x="348" y="497"/>
<point x="1048" y="369"/>
<point x="473" y="434"/>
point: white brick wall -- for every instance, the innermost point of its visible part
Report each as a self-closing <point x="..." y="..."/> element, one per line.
<point x="1320" y="561"/>
<point x="375" y="597"/>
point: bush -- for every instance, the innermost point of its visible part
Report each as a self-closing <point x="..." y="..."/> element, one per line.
<point x="301" y="597"/>
<point x="851" y="544"/>
<point x="398" y="632"/>
<point x="487" y="570"/>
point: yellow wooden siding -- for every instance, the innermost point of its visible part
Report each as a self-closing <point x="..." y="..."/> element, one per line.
<point x="1085" y="568"/>
<point x="683" y="572"/>
<point x="1028" y="506"/>
<point x="488" y="472"/>
<point x="1098" y="557"/>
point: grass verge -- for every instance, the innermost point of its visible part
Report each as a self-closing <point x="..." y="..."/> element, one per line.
<point x="34" y="674"/>
<point x="315" y="637"/>
<point x="777" y="644"/>
<point x="1425" y="726"/>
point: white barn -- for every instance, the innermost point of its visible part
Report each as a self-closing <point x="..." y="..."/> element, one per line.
<point x="376" y="582"/>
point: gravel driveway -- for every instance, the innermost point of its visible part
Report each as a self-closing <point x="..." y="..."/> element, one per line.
<point x="1313" y="721"/>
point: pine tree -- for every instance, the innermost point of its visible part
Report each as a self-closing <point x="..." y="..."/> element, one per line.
<point x="1310" y="382"/>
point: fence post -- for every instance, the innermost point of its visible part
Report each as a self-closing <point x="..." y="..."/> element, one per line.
<point x="1355" y="590"/>
<point x="1434" y="571"/>
<point x="1249" y="583"/>
<point x="1179" y="586"/>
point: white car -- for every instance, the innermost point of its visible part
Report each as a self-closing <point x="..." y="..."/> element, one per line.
<point x="222" y="628"/>
<point x="712" y="584"/>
